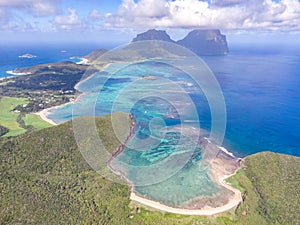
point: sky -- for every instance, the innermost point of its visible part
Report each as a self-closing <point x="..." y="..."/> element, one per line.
<point x="120" y="20"/>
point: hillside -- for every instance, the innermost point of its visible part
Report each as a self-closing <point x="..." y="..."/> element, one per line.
<point x="44" y="179"/>
<point x="95" y="54"/>
<point x="271" y="184"/>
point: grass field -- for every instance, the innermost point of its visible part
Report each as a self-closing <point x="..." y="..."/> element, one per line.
<point x="35" y="121"/>
<point x="8" y="118"/>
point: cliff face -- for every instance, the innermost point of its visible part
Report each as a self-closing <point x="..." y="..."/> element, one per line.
<point x="201" y="42"/>
<point x="153" y="34"/>
<point x="205" y="42"/>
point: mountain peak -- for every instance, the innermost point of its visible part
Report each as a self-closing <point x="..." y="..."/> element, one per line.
<point x="201" y="42"/>
<point x="153" y="34"/>
<point x="205" y="42"/>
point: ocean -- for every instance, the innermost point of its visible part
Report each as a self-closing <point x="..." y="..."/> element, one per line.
<point x="260" y="87"/>
<point x="10" y="53"/>
<point x="261" y="90"/>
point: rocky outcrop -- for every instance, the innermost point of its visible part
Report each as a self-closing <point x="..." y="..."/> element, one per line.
<point x="153" y="34"/>
<point x="205" y="42"/>
<point x="201" y="42"/>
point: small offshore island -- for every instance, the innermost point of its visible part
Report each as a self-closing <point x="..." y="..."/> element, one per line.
<point x="56" y="183"/>
<point x="27" y="56"/>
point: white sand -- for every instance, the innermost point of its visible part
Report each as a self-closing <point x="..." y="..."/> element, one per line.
<point x="206" y="211"/>
<point x="83" y="61"/>
<point x="45" y="112"/>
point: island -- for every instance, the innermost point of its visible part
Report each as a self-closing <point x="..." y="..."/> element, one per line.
<point x="45" y="179"/>
<point x="153" y="34"/>
<point x="205" y="42"/>
<point x="201" y="42"/>
<point x="27" y="56"/>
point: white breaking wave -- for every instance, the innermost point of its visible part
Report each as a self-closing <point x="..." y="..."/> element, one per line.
<point x="226" y="151"/>
<point x="221" y="148"/>
<point x="83" y="61"/>
<point x="13" y="73"/>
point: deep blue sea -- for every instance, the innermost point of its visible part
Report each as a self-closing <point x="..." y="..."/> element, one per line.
<point x="9" y="54"/>
<point x="261" y="90"/>
<point x="260" y="85"/>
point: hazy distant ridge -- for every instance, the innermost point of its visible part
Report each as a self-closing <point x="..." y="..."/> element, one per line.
<point x="201" y="42"/>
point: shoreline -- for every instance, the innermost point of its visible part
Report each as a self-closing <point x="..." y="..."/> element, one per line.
<point x="83" y="61"/>
<point x="218" y="175"/>
<point x="45" y="112"/>
<point x="89" y="77"/>
<point x="118" y="151"/>
<point x="204" y="211"/>
<point x="11" y="72"/>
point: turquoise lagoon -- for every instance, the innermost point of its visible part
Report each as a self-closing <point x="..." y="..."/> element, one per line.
<point x="162" y="159"/>
<point x="262" y="101"/>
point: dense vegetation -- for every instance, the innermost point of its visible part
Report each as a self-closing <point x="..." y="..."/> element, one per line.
<point x="45" y="180"/>
<point x="3" y="130"/>
<point x="45" y="85"/>
<point x="271" y="184"/>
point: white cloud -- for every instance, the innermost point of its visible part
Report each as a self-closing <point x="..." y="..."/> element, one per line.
<point x="11" y="23"/>
<point x="25" y="15"/>
<point x="224" y="3"/>
<point x="224" y="14"/>
<point x="68" y="22"/>
<point x="35" y="7"/>
<point x="96" y="15"/>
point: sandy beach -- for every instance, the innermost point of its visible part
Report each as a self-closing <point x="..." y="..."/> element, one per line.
<point x="205" y="211"/>
<point x="83" y="61"/>
<point x="222" y="165"/>
<point x="233" y="201"/>
<point x="45" y="112"/>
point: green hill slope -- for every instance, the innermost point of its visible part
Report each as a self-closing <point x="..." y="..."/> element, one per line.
<point x="271" y="184"/>
<point x="45" y="180"/>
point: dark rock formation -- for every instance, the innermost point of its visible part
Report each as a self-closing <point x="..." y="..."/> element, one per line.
<point x="201" y="42"/>
<point x="205" y="42"/>
<point x="153" y="35"/>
